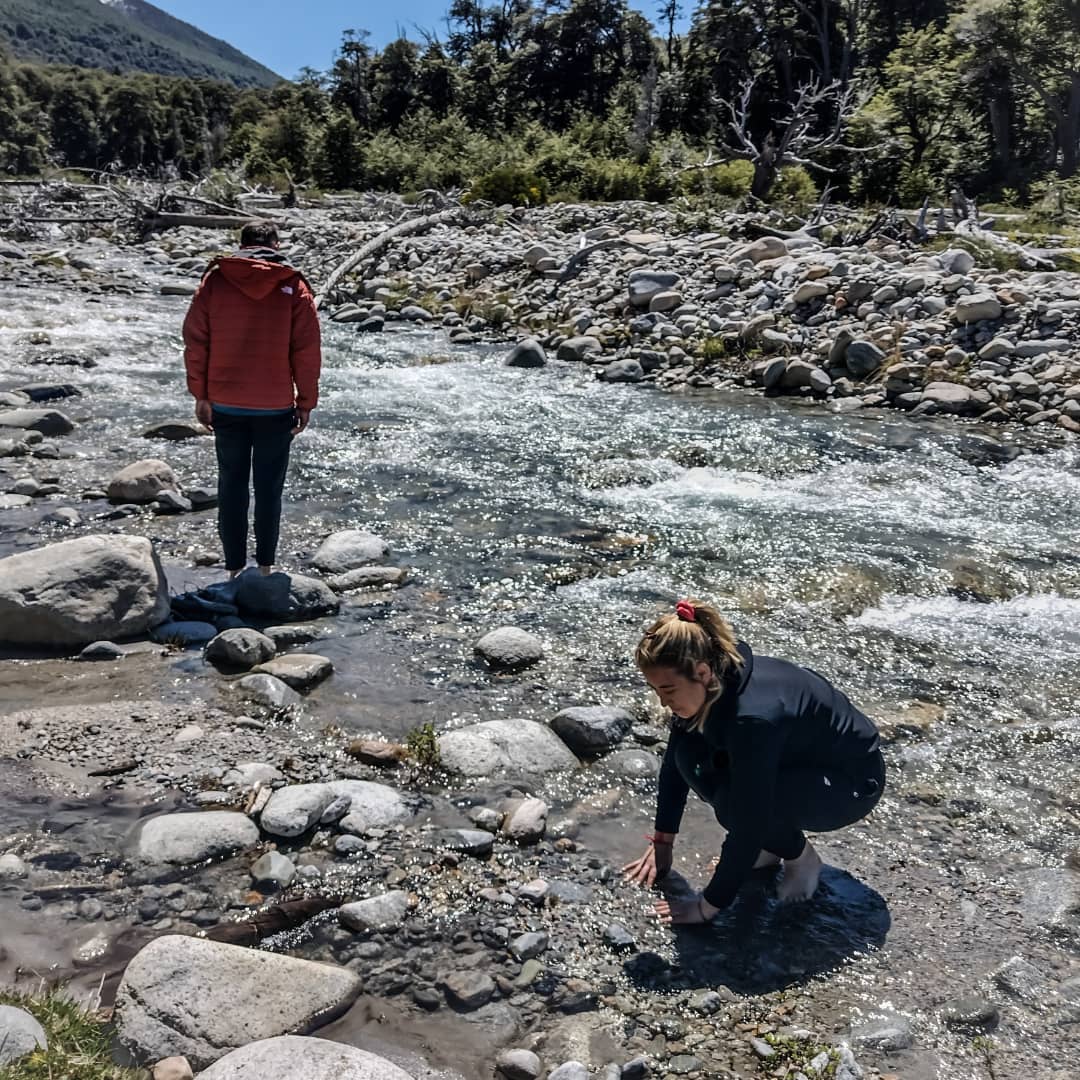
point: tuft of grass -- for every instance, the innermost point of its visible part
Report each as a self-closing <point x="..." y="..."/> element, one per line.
<point x="422" y="745"/>
<point x="796" y="1054"/>
<point x="79" y="1041"/>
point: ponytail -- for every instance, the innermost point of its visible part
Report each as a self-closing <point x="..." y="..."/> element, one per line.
<point x="693" y="634"/>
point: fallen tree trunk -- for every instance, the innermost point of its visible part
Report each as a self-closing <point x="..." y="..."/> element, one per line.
<point x="384" y="239"/>
<point x="157" y="221"/>
<point x="284" y="916"/>
<point x="577" y="261"/>
<point x="1025" y="258"/>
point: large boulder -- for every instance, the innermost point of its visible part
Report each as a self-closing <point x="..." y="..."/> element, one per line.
<point x="141" y="482"/>
<point x="70" y="594"/>
<point x="592" y="729"/>
<point x="527" y="354"/>
<point x="346" y="550"/>
<point x="977" y="307"/>
<point x="284" y="597"/>
<point x="950" y="397"/>
<point x="241" y="647"/>
<point x="20" y="1034"/>
<point x="204" y="999"/>
<point x="47" y="421"/>
<point x="863" y="358"/>
<point x="187" y="839"/>
<point x="292" y="1057"/>
<point x="645" y="284"/>
<point x="520" y="747"/>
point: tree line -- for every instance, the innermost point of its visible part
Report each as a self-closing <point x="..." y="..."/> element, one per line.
<point x="880" y="100"/>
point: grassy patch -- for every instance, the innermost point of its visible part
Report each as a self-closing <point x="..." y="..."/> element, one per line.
<point x="78" y="1041"/>
<point x="423" y="748"/>
<point x="796" y="1054"/>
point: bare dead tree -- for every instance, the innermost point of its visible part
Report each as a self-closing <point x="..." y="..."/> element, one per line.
<point x="800" y="137"/>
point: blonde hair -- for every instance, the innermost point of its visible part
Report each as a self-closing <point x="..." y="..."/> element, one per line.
<point x="693" y="634"/>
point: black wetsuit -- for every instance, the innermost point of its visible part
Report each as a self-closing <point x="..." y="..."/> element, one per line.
<point x="782" y="751"/>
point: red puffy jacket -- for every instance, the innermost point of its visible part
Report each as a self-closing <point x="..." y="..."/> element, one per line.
<point x="251" y="337"/>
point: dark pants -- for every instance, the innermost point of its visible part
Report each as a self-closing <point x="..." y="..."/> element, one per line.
<point x="814" y="798"/>
<point x="251" y="450"/>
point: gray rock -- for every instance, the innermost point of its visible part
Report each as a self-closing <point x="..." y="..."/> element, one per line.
<point x="246" y="774"/>
<point x="202" y="498"/>
<point x="569" y="1070"/>
<point x="371" y="805"/>
<point x="592" y="729"/>
<point x="11" y="867"/>
<point x="269" y="692"/>
<point x="187" y="839"/>
<point x="349" y="549"/>
<point x="527" y="354"/>
<point x="518" y="1065"/>
<point x="274" y="870"/>
<point x="290" y="1057"/>
<point x="970" y="1012"/>
<point x="47" y="421"/>
<point x="294" y="810"/>
<point x="184" y="632"/>
<point x="367" y="577"/>
<point x="475" y="842"/>
<point x="768" y="247"/>
<point x="102" y="650"/>
<point x="885" y="1031"/>
<point x="301" y="671"/>
<point x="520" y="747"/>
<point x="15" y="502"/>
<point x="633" y="764"/>
<point x="171" y="502"/>
<point x="141" y="482"/>
<point x="66" y="516"/>
<point x="579" y="348"/>
<point x="527" y="822"/>
<point x="240" y="648"/>
<point x="950" y="397"/>
<point x="977" y="307"/>
<point x="378" y="913"/>
<point x="529" y="946"/>
<point x="20" y="1034"/>
<point x="288" y="597"/>
<point x="468" y="990"/>
<point x="510" y="648"/>
<point x="80" y="591"/>
<point x="483" y="817"/>
<point x="618" y="937"/>
<point x="284" y="637"/>
<point x="646" y="284"/>
<point x="623" y="371"/>
<point x="863" y="358"/>
<point x="176" y="430"/>
<point x="203" y="999"/>
<point x="773" y="373"/>
<point x="957" y="261"/>
<point x="336" y="810"/>
<point x="1049" y="897"/>
<point x="706" y="1002"/>
<point x="570" y="892"/>
<point x="1023" y="980"/>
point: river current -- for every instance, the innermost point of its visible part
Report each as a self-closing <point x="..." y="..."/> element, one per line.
<point x="908" y="561"/>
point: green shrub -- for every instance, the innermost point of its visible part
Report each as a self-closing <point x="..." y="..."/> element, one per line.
<point x="915" y="184"/>
<point x="729" y="181"/>
<point x="795" y="189"/>
<point x="423" y="747"/>
<point x="511" y="184"/>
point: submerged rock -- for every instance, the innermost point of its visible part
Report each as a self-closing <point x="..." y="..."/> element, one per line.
<point x="203" y="999"/>
<point x="514" y="746"/>
<point x="285" y="597"/>
<point x="186" y="839"/>
<point x="510" y="647"/>
<point x="349" y="549"/>
<point x="76" y="592"/>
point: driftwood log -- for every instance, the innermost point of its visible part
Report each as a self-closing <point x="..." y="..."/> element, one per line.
<point x="412" y="227"/>
<point x="576" y="263"/>
<point x="1026" y="259"/>
<point x="273" y="920"/>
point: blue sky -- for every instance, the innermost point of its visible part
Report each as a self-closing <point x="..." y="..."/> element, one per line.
<point x="286" y="35"/>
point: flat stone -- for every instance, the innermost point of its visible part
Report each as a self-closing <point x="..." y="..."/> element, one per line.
<point x="11" y="867"/>
<point x="504" y="746"/>
<point x="530" y="945"/>
<point x="173" y="1068"/>
<point x="970" y="1012"/>
<point x="376" y="914"/>
<point x="176" y="430"/>
<point x="527" y="354"/>
<point x="623" y="371"/>
<point x="203" y="999"/>
<point x="46" y="421"/>
<point x="885" y="1031"/>
<point x="268" y="691"/>
<point x="518" y="1065"/>
<point x="188" y="839"/>
<point x="273" y="869"/>
<point x="349" y="549"/>
<point x="301" y="671"/>
<point x="476" y="842"/>
<point x="977" y="307"/>
<point x="184" y="632"/>
<point x="368" y="577"/>
<point x="291" y="1057"/>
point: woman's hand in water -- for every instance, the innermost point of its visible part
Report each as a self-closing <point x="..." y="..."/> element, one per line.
<point x="685" y="912"/>
<point x="652" y="866"/>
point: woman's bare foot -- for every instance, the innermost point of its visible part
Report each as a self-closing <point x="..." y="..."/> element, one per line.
<point x="801" y="875"/>
<point x="765" y="860"/>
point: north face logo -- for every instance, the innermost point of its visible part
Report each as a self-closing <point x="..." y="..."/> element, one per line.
<point x="287" y="290"/>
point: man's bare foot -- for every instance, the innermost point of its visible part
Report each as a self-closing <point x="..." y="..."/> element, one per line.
<point x="801" y="875"/>
<point x="766" y="859"/>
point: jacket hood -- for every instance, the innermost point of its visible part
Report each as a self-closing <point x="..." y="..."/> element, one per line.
<point x="255" y="275"/>
<point x="741" y="676"/>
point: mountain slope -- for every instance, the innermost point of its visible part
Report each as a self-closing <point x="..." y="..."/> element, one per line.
<point x="131" y="35"/>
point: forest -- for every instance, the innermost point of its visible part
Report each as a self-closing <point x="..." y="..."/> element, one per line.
<point x="877" y="101"/>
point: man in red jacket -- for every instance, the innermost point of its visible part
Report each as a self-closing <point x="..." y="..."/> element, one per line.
<point x="253" y="355"/>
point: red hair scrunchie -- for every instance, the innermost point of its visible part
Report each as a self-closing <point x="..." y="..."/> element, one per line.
<point x="685" y="610"/>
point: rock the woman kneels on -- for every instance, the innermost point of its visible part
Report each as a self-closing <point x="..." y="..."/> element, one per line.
<point x="774" y="748"/>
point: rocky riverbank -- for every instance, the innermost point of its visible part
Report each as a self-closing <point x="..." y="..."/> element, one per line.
<point x="225" y="798"/>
